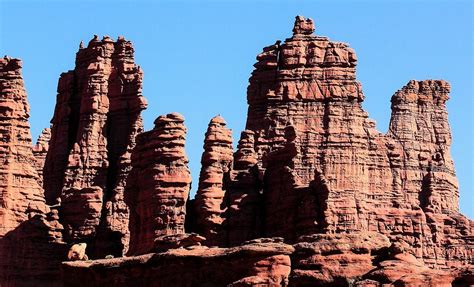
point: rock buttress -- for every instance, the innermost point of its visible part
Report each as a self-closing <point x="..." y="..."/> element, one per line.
<point x="244" y="213"/>
<point x="158" y="185"/>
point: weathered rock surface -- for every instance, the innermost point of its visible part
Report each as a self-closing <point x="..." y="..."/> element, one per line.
<point x="19" y="188"/>
<point x="216" y="163"/>
<point x="332" y="201"/>
<point x="31" y="246"/>
<point x="40" y="150"/>
<point x="339" y="174"/>
<point x="244" y="212"/>
<point x="96" y="119"/>
<point x="158" y="185"/>
<point x="335" y="259"/>
<point x="253" y="264"/>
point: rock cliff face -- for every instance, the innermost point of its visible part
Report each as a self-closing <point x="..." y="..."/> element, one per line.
<point x="19" y="188"/>
<point x="96" y="119"/>
<point x="314" y="195"/>
<point x="31" y="246"/>
<point x="339" y="174"/>
<point x="158" y="185"/>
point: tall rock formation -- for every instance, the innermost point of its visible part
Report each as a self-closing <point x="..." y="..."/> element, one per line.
<point x="359" y="208"/>
<point x="340" y="174"/>
<point x="308" y="82"/>
<point x="419" y="123"/>
<point x="31" y="246"/>
<point x="216" y="164"/>
<point x="96" y="119"/>
<point x="158" y="185"/>
<point x="19" y="188"/>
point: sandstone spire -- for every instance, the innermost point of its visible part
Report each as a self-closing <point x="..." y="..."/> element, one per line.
<point x="419" y="122"/>
<point x="346" y="176"/>
<point x="20" y="192"/>
<point x="216" y="163"/>
<point x="158" y="185"/>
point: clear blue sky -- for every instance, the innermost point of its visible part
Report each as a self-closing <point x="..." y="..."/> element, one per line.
<point x="197" y="57"/>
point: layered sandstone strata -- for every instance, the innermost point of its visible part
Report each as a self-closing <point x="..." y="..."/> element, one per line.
<point x="96" y="119"/>
<point x="354" y="207"/>
<point x="158" y="185"/>
<point x="244" y="199"/>
<point x="340" y="174"/>
<point x="31" y="246"/>
<point x="253" y="264"/>
<point x="40" y="150"/>
<point x="216" y="164"/>
<point x="19" y="188"/>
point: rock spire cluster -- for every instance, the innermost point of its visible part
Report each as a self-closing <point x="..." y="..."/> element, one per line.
<point x="313" y="195"/>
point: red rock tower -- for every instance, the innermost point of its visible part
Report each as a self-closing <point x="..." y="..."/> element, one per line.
<point x="342" y="174"/>
<point x="158" y="185"/>
<point x="31" y="243"/>
<point x="216" y="164"/>
<point x="20" y="192"/>
<point x="96" y="119"/>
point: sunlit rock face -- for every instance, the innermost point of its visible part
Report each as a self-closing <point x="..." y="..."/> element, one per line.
<point x="95" y="122"/>
<point x="158" y="185"/>
<point x="313" y="195"/>
<point x="31" y="245"/>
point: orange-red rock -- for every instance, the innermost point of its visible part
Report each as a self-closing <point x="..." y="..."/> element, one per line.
<point x="158" y="185"/>
<point x="19" y="187"/>
<point x="96" y="119"/>
<point x="335" y="259"/>
<point x="340" y="174"/>
<point x="40" y="150"/>
<point x="257" y="263"/>
<point x="243" y="217"/>
<point x="31" y="245"/>
<point x="359" y="207"/>
<point x="216" y="164"/>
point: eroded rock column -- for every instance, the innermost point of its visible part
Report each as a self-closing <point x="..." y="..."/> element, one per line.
<point x="216" y="164"/>
<point x="158" y="184"/>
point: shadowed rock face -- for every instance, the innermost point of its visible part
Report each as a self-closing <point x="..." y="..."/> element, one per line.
<point x="313" y="196"/>
<point x="96" y="119"/>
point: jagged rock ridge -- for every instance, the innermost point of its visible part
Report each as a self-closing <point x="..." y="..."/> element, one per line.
<point x="313" y="196"/>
